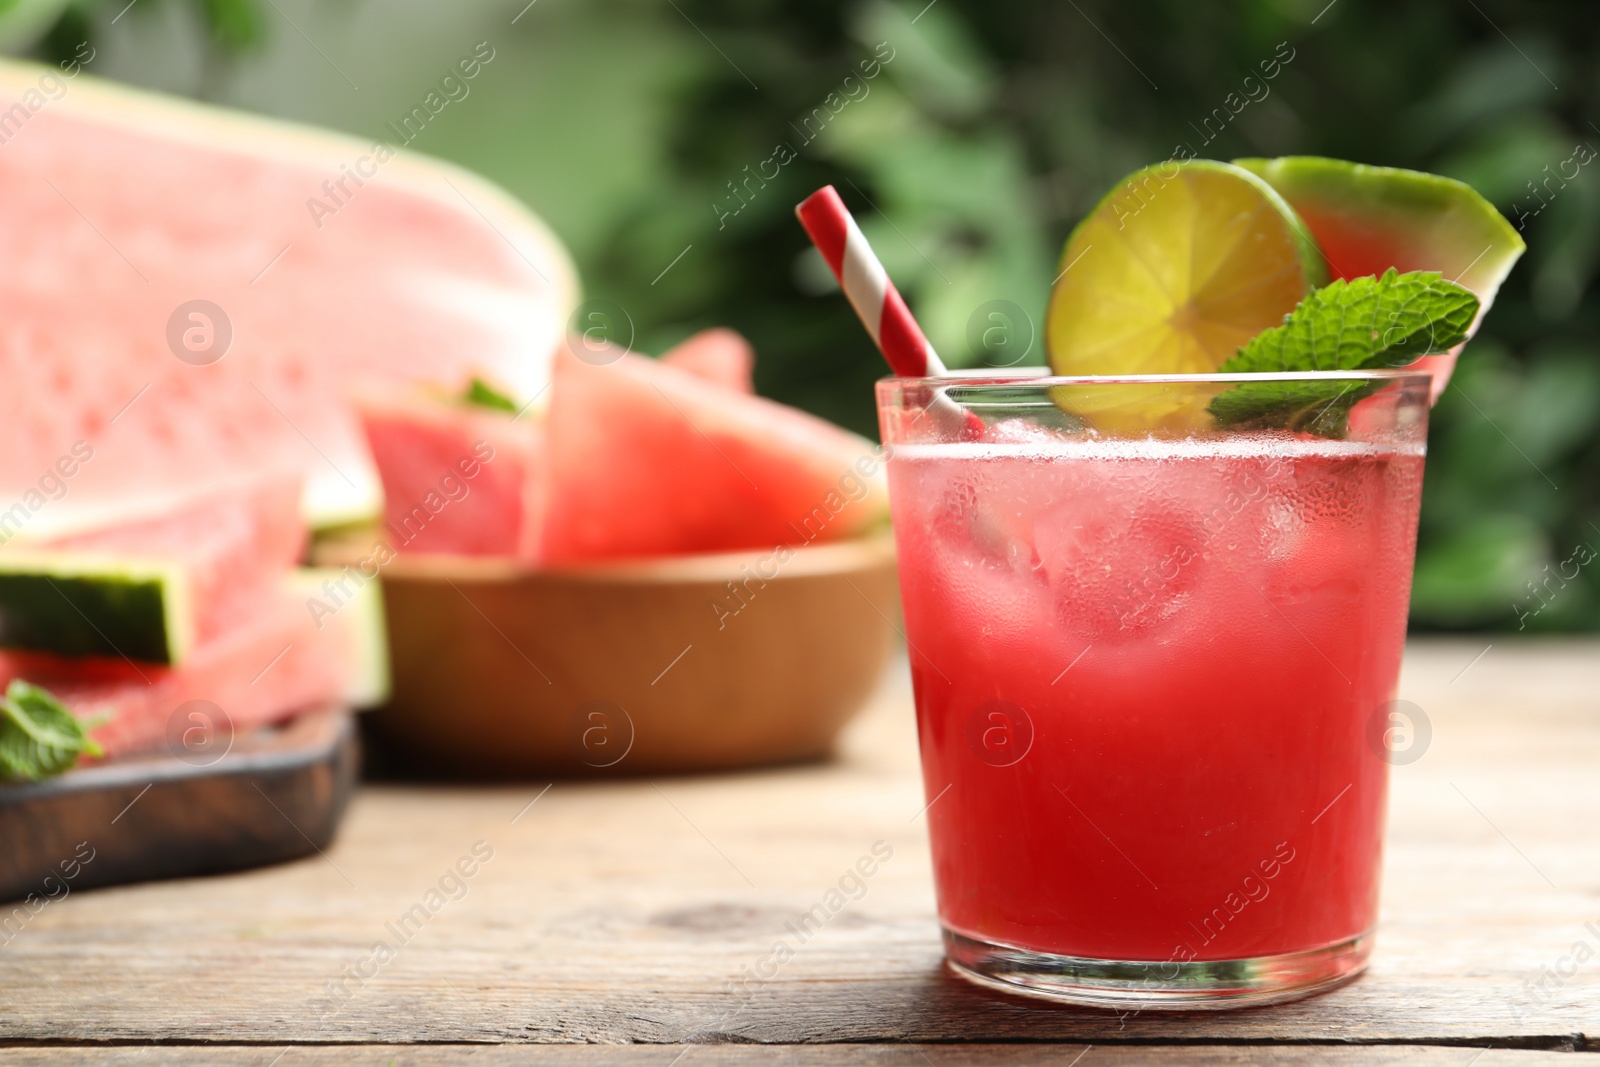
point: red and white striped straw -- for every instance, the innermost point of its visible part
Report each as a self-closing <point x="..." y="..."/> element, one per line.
<point x="867" y="286"/>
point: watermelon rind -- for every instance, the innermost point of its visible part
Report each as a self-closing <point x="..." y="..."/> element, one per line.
<point x="361" y="618"/>
<point x="74" y="604"/>
<point x="1439" y="223"/>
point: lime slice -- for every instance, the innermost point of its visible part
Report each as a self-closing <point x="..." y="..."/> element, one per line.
<point x="1170" y="274"/>
<point x="1368" y="219"/>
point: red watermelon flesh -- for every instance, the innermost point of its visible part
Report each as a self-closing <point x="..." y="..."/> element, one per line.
<point x="261" y="671"/>
<point x="717" y="355"/>
<point x="235" y="541"/>
<point x="647" y="459"/>
<point x="118" y="208"/>
<point x="456" y="478"/>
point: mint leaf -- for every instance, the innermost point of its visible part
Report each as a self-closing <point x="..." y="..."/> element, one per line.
<point x="484" y="395"/>
<point x="39" y="737"/>
<point x="1361" y="324"/>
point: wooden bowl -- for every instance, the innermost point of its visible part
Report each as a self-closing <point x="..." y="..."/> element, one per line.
<point x="689" y="663"/>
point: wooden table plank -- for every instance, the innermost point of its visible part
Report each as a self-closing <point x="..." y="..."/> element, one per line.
<point x="875" y="1055"/>
<point x="624" y="912"/>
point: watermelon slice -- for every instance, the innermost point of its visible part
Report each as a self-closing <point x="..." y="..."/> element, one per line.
<point x="717" y="355"/>
<point x="190" y="290"/>
<point x="1368" y="219"/>
<point x="457" y="478"/>
<point x="182" y="569"/>
<point x="261" y="671"/>
<point x="647" y="459"/>
<point x="631" y="457"/>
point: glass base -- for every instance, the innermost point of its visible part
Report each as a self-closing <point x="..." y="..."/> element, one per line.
<point x="1200" y="985"/>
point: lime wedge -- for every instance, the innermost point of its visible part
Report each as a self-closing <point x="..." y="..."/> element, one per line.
<point x="1171" y="274"/>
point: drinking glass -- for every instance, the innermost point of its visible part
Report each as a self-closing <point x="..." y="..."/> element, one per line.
<point x="1154" y="660"/>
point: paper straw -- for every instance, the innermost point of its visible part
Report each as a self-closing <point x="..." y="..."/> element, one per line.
<point x="878" y="304"/>
<point x="866" y="285"/>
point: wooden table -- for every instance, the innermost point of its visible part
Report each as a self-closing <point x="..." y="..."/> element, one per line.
<point x="611" y="920"/>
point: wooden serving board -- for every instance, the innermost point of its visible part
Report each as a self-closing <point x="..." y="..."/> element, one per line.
<point x="278" y="793"/>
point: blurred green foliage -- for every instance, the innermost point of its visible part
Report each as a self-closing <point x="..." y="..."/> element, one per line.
<point x="646" y="132"/>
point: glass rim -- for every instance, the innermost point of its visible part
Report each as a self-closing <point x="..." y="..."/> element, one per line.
<point x="1041" y="376"/>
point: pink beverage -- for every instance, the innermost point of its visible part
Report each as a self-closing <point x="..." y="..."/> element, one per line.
<point x="1152" y="678"/>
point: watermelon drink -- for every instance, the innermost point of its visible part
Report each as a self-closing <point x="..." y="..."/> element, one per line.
<point x="1146" y="672"/>
<point x="1156" y="605"/>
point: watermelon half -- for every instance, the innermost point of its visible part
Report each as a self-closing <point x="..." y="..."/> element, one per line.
<point x="1367" y="219"/>
<point x="320" y="259"/>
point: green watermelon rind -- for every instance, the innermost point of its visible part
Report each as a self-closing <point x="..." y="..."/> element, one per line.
<point x="1476" y="246"/>
<point x="362" y="617"/>
<point x="75" y="604"/>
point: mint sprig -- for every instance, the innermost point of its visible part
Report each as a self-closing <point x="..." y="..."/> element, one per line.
<point x="481" y="394"/>
<point x="39" y="737"/>
<point x="1360" y="324"/>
